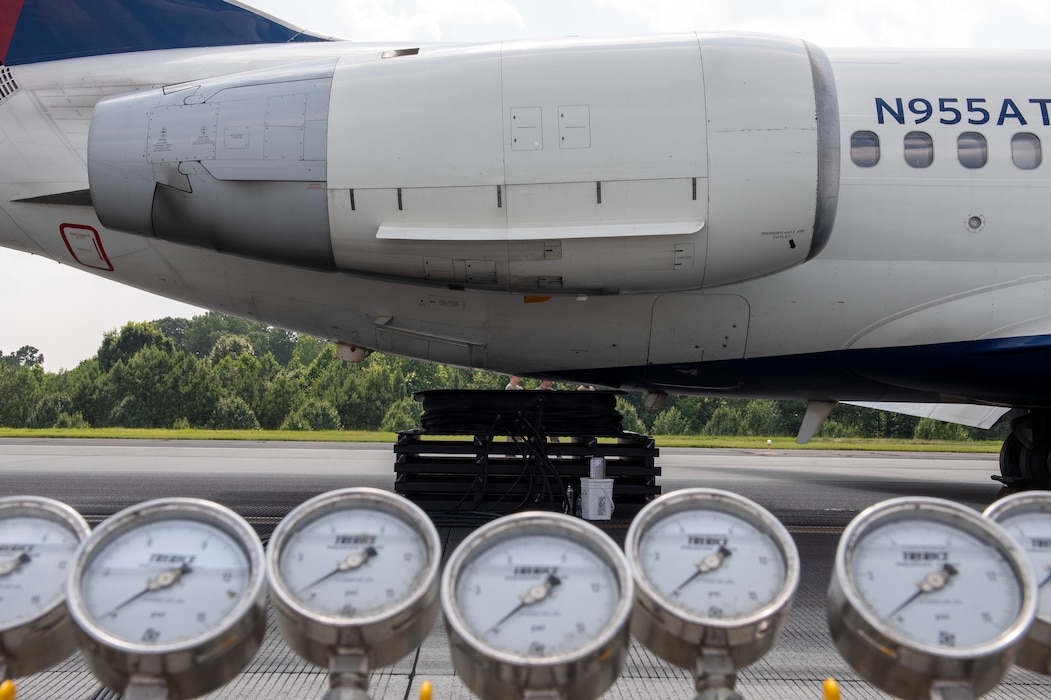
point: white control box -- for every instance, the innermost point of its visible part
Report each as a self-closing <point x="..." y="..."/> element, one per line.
<point x="596" y="499"/>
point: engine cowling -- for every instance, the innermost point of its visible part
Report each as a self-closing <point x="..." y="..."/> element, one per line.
<point x="562" y="167"/>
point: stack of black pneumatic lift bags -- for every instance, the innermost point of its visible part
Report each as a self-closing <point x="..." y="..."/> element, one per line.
<point x="483" y="454"/>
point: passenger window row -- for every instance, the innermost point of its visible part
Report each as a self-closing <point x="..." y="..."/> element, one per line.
<point x="972" y="149"/>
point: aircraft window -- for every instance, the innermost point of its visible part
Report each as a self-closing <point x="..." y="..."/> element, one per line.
<point x="972" y="149"/>
<point x="864" y="148"/>
<point x="919" y="149"/>
<point x="1025" y="151"/>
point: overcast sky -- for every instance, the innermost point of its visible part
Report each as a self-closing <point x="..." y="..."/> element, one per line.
<point x="64" y="312"/>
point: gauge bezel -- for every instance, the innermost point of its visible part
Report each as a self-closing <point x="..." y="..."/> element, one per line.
<point x="1035" y="652"/>
<point x="583" y="673"/>
<point x="31" y="645"/>
<point x="894" y="661"/>
<point x="188" y="667"/>
<point x="386" y="636"/>
<point x="677" y="635"/>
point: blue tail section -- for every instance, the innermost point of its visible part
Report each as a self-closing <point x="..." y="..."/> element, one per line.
<point x="46" y="30"/>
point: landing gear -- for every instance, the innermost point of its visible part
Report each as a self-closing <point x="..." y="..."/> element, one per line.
<point x="1011" y="461"/>
<point x="1036" y="469"/>
<point x="1025" y="458"/>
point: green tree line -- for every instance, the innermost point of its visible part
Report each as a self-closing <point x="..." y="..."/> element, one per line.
<point x="222" y="372"/>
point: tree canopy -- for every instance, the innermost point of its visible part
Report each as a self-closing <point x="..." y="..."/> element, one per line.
<point x="25" y="356"/>
<point x="217" y="371"/>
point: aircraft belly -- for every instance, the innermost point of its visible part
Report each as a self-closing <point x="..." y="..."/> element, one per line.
<point x="1003" y="371"/>
<point x="591" y="339"/>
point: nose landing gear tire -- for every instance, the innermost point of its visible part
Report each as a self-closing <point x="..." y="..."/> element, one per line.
<point x="1011" y="466"/>
<point x="1025" y="458"/>
<point x="1036" y="464"/>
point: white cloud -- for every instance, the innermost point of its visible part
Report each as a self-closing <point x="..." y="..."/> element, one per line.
<point x="862" y="23"/>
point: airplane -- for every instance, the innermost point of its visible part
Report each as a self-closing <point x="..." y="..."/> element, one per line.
<point x="719" y="214"/>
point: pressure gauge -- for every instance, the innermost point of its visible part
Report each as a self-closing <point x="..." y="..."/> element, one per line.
<point x="537" y="602"/>
<point x="712" y="570"/>
<point x="1027" y="517"/>
<point x="355" y="569"/>
<point x="38" y="537"/>
<point x="170" y="592"/>
<point x="926" y="592"/>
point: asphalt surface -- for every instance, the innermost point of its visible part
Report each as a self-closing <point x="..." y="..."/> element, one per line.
<point x="815" y="493"/>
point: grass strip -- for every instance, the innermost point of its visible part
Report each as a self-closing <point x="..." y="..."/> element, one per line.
<point x="694" y="441"/>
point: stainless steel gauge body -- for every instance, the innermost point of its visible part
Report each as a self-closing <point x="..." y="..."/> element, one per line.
<point x="926" y="592"/>
<point x="38" y="538"/>
<point x="712" y="570"/>
<point x="537" y="602"/>
<point x="1027" y="517"/>
<point x="170" y="591"/>
<point x="355" y="569"/>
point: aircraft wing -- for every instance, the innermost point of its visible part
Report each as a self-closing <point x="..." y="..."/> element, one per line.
<point x="964" y="414"/>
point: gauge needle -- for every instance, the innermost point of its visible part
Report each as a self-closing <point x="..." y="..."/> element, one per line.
<point x="164" y="579"/>
<point x="934" y="581"/>
<point x="709" y="563"/>
<point x="535" y="594"/>
<point x="1042" y="583"/>
<point x="15" y="564"/>
<point x="353" y="561"/>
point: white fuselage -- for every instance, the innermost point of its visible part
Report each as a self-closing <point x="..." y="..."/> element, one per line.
<point x="673" y="247"/>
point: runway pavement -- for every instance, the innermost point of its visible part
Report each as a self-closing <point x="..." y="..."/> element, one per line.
<point x="815" y="493"/>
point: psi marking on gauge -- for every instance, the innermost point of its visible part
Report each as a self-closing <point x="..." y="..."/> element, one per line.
<point x="537" y="602"/>
<point x="35" y="552"/>
<point x="355" y="563"/>
<point x="165" y="582"/>
<point x="1033" y="532"/>
<point x="38" y="540"/>
<point x="537" y="595"/>
<point x="936" y="584"/>
<point x="713" y="565"/>
<point x="169" y="592"/>
<point x="1026" y="517"/>
<point x="926" y="592"/>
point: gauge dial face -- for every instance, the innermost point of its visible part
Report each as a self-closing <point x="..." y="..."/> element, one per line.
<point x="35" y="555"/>
<point x="1032" y="530"/>
<point x="712" y="564"/>
<point x="936" y="583"/>
<point x="354" y="562"/>
<point x="537" y="595"/>
<point x="165" y="581"/>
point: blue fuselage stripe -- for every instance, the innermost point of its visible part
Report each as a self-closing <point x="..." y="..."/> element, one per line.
<point x="51" y="30"/>
<point x="1004" y="371"/>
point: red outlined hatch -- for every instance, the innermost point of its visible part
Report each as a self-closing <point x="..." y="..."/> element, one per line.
<point x="85" y="246"/>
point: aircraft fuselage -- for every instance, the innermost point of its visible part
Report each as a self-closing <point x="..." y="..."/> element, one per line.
<point x="694" y="214"/>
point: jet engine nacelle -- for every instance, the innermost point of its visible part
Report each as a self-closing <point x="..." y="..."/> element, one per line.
<point x="561" y="167"/>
